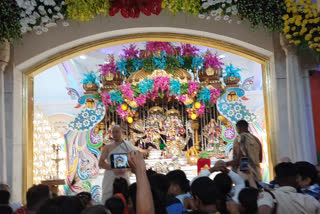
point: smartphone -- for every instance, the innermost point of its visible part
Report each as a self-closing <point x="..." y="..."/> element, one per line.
<point x="244" y="164"/>
<point x="119" y="161"/>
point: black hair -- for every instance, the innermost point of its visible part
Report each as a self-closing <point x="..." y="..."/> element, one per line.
<point x="97" y="209"/>
<point x="242" y="124"/>
<point x="248" y="198"/>
<point x="37" y="195"/>
<point x="4" y="197"/>
<point x="205" y="189"/>
<point x="120" y="185"/>
<point x="223" y="182"/>
<point x="179" y="178"/>
<point x="133" y="194"/>
<point x="286" y="174"/>
<point x="6" y="209"/>
<point x="115" y="205"/>
<point x="150" y="172"/>
<point x="85" y="198"/>
<point x="62" y="205"/>
<point x="307" y="170"/>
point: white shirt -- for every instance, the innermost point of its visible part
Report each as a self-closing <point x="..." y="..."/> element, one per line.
<point x="289" y="201"/>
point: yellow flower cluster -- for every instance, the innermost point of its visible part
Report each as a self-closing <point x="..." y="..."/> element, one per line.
<point x="187" y="6"/>
<point x="85" y="10"/>
<point x="302" y="23"/>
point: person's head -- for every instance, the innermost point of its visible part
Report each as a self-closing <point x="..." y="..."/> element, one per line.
<point x="97" y="209"/>
<point x="248" y="198"/>
<point x="62" y="205"/>
<point x="179" y="184"/>
<point x="242" y="126"/>
<point x="5" y="209"/>
<point x="286" y="174"/>
<point x="223" y="182"/>
<point x="4" y="197"/>
<point x="4" y="187"/>
<point x="204" y="192"/>
<point x="285" y="160"/>
<point x="85" y="198"/>
<point x="115" y="205"/>
<point x="307" y="174"/>
<point x="37" y="195"/>
<point x="120" y="185"/>
<point x="117" y="133"/>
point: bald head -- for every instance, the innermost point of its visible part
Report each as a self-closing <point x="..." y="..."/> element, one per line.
<point x="117" y="133"/>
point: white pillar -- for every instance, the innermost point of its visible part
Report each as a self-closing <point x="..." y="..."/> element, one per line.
<point x="300" y="124"/>
<point x="4" y="60"/>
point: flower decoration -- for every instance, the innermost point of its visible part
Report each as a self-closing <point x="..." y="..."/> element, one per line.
<point x="81" y="10"/>
<point x="301" y="24"/>
<point x="197" y="62"/>
<point x="121" y="66"/>
<point x="10" y="21"/>
<point x="131" y="51"/>
<point x="110" y="67"/>
<point x="159" y="61"/>
<point x="231" y="71"/>
<point x="132" y="9"/>
<point x="267" y="13"/>
<point x="137" y="64"/>
<point x="187" y="6"/>
<point x="90" y="78"/>
<point x="219" y="9"/>
<point x="135" y="95"/>
<point x="212" y="61"/>
<point x="41" y="15"/>
<point x="188" y="50"/>
<point x="156" y="47"/>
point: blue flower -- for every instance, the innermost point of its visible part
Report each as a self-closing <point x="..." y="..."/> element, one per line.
<point x="137" y="64"/>
<point x="181" y="61"/>
<point x="197" y="62"/>
<point x="175" y="88"/>
<point x="116" y="97"/>
<point x="160" y="62"/>
<point x="145" y="86"/>
<point x="122" y="66"/>
<point x="90" y="78"/>
<point x="204" y="96"/>
<point x="232" y="72"/>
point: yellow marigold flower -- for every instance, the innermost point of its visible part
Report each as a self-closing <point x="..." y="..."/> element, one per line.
<point x="316" y="39"/>
<point x="285" y="17"/>
<point x="301" y="2"/>
<point x="288" y="5"/>
<point x="306" y="10"/>
<point x="286" y="29"/>
<point x="305" y="21"/>
<point x="293" y="28"/>
<point x="294" y="10"/>
<point x="295" y="34"/>
<point x="297" y="42"/>
<point x="309" y="43"/>
<point x="308" y="37"/>
<point x="291" y="20"/>
<point x="307" y="16"/>
<point x="291" y="42"/>
<point x="298" y="22"/>
<point x="317" y="20"/>
<point x="288" y="36"/>
<point x="318" y="49"/>
<point x="315" y="14"/>
<point x="299" y="17"/>
<point x="311" y="21"/>
<point x="313" y="7"/>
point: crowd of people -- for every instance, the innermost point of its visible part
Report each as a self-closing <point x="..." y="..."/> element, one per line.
<point x="218" y="190"/>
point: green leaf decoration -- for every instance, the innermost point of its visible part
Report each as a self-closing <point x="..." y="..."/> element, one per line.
<point x="184" y="88"/>
<point x="204" y="155"/>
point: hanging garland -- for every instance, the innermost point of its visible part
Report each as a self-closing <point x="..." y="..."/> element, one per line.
<point x="85" y="10"/>
<point x="186" y="6"/>
<point x="10" y="22"/>
<point x="301" y="24"/>
<point x="219" y="10"/>
<point x="129" y="97"/>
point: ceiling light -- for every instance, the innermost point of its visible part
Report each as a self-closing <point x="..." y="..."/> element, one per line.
<point x="222" y="56"/>
<point x="83" y="57"/>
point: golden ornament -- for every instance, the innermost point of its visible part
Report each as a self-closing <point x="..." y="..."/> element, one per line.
<point x="124" y="106"/>
<point x="197" y="105"/>
<point x="193" y="116"/>
<point x="130" y="119"/>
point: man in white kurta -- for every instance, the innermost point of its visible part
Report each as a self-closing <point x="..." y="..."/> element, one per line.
<point x="117" y="146"/>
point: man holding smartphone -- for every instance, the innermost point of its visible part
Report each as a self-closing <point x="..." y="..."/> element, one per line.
<point x="117" y="146"/>
<point x="247" y="151"/>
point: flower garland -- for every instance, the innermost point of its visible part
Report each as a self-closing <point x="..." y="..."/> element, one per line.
<point x="10" y="23"/>
<point x="219" y="9"/>
<point x="132" y="9"/>
<point x="85" y="10"/>
<point x="129" y="97"/>
<point x="187" y="6"/>
<point x="301" y="24"/>
<point x="41" y="15"/>
<point x="266" y="13"/>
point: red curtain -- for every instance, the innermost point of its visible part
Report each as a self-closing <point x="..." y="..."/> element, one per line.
<point x="315" y="96"/>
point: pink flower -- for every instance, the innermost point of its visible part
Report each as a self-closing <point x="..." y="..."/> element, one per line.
<point x="161" y="83"/>
<point x="214" y="95"/>
<point x="188" y="50"/>
<point x="131" y="52"/>
<point x="106" y="99"/>
<point x="105" y="69"/>
<point x="122" y="113"/>
<point x="193" y="87"/>
<point x="127" y="91"/>
<point x="141" y="100"/>
<point x="202" y="109"/>
<point x="153" y="47"/>
<point x="182" y="98"/>
<point x="212" y="61"/>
